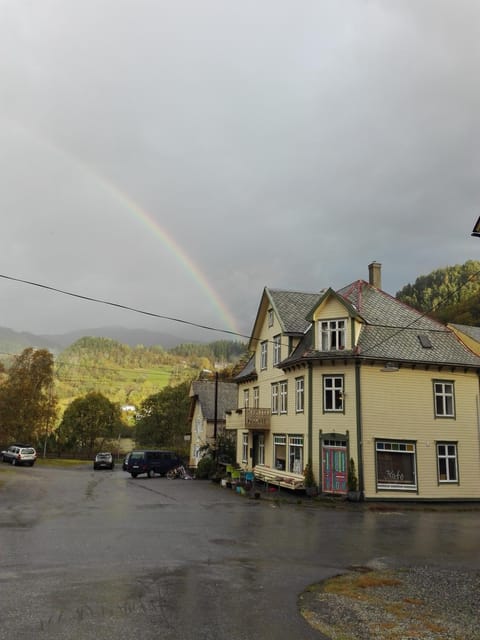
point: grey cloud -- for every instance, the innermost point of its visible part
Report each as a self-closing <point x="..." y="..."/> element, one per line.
<point x="275" y="143"/>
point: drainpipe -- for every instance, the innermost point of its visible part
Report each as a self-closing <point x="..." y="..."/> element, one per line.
<point x="310" y="416"/>
<point x="358" y="404"/>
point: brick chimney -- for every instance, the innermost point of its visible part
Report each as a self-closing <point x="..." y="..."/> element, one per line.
<point x="375" y="274"/>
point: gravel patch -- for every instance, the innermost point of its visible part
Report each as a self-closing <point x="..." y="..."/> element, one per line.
<point x="420" y="603"/>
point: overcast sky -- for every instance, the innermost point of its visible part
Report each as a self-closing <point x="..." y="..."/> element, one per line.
<point x="178" y="156"/>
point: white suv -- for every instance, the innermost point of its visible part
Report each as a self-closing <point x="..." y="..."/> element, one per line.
<point x="20" y="454"/>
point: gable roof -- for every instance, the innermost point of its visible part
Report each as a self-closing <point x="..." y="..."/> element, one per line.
<point x="291" y="309"/>
<point x="203" y="391"/>
<point x="392" y="331"/>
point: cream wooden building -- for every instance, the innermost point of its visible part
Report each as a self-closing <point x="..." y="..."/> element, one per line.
<point x="356" y="374"/>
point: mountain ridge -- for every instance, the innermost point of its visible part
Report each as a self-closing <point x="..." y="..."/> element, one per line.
<point x="15" y="341"/>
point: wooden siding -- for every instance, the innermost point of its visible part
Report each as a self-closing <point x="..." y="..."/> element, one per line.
<point x="400" y="406"/>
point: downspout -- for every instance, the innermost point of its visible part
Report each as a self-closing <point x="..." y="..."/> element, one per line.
<point x="310" y="416"/>
<point x="358" y="403"/>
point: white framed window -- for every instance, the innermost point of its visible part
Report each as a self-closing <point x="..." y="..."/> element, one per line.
<point x="261" y="448"/>
<point x="256" y="397"/>
<point x="333" y="335"/>
<point x="277" y="349"/>
<point x="444" y="399"/>
<point x="283" y="396"/>
<point x="270" y="317"/>
<point x="299" y="394"/>
<point x="246" y="398"/>
<point x="332" y="393"/>
<point x="447" y="462"/>
<point x="396" y="465"/>
<point x="263" y="354"/>
<point x="295" y="454"/>
<point x="275" y="397"/>
<point x="245" y="447"/>
<point x="280" y="452"/>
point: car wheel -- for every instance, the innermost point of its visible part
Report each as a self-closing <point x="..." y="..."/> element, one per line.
<point x="32" y="463"/>
<point x="14" y="462"/>
<point x="134" y="475"/>
<point x="150" y="473"/>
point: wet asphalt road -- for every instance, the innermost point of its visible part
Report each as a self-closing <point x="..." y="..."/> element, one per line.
<point x="97" y="555"/>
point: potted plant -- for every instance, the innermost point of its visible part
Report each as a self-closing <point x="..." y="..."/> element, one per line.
<point x="353" y="494"/>
<point x="309" y="481"/>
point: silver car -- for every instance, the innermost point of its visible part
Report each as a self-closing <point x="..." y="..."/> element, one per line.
<point x="103" y="460"/>
<point x="20" y="454"/>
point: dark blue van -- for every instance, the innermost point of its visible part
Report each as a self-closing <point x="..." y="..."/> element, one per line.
<point x="151" y="462"/>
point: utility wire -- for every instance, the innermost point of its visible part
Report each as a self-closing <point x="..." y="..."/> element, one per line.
<point x="123" y="306"/>
<point x="227" y="331"/>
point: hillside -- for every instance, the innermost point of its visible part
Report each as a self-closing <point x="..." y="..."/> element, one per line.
<point x="128" y="375"/>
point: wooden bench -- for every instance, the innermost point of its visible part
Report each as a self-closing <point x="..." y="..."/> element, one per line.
<point x="279" y="478"/>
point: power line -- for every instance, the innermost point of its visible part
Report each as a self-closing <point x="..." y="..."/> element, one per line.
<point x="123" y="306"/>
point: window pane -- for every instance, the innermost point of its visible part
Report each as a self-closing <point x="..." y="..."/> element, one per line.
<point x="452" y="469"/>
<point x="395" y="468"/>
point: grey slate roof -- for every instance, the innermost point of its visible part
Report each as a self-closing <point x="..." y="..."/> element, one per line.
<point x="292" y="308"/>
<point x="204" y="392"/>
<point x="471" y="332"/>
<point x="391" y="332"/>
<point x="248" y="371"/>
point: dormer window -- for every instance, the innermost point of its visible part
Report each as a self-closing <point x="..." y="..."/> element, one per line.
<point x="333" y="335"/>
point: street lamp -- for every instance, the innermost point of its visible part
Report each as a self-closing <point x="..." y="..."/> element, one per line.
<point x="476" y="229"/>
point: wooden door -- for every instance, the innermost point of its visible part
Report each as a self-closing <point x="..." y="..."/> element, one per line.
<point x="334" y="469"/>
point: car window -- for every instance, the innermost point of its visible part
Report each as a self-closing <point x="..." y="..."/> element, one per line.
<point x="28" y="451"/>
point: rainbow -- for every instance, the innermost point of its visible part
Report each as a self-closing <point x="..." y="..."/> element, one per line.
<point x="147" y="220"/>
<point x="175" y="249"/>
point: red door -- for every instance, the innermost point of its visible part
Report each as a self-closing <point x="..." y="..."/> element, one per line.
<point x="334" y="469"/>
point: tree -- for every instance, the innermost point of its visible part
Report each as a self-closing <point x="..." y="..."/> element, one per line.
<point x="443" y="287"/>
<point x="88" y="420"/>
<point x="28" y="405"/>
<point x="162" y="420"/>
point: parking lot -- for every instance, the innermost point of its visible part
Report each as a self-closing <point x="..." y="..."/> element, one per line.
<point x="112" y="556"/>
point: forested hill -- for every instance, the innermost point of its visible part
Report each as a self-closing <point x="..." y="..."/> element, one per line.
<point x="450" y="294"/>
<point x="127" y="374"/>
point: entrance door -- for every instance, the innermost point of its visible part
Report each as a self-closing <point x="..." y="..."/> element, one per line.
<point x="334" y="467"/>
<point x="258" y="440"/>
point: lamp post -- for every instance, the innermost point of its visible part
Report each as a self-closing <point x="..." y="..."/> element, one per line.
<point x="215" y="418"/>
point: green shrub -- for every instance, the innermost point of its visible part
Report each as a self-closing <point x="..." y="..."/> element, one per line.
<point x="205" y="468"/>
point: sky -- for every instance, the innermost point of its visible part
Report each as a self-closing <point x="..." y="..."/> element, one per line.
<point x="176" y="157"/>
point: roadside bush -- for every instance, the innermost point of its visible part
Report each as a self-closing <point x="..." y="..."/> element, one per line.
<point x="205" y="468"/>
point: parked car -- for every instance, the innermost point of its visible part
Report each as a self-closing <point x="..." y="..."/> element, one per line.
<point x="125" y="462"/>
<point x="103" y="460"/>
<point x="20" y="454"/>
<point x="152" y="462"/>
